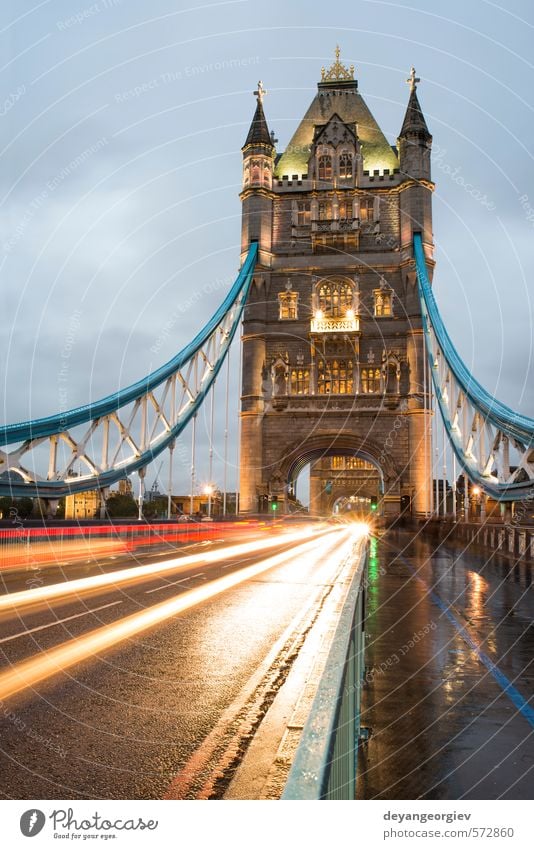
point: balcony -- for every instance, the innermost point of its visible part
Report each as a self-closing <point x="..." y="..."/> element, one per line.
<point x="344" y="324"/>
<point x="335" y="225"/>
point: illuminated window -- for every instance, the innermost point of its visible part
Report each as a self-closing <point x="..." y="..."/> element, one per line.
<point x="345" y="166"/>
<point x="367" y="209"/>
<point x="288" y="303"/>
<point x="383" y="302"/>
<point x="325" y="167"/>
<point x="300" y="381"/>
<point x="256" y="171"/>
<point x="338" y="462"/>
<point x="345" y="209"/>
<point x="335" y="377"/>
<point x="335" y="298"/>
<point x="358" y="463"/>
<point x="325" y="211"/>
<point x="370" y="378"/>
<point x="266" y="174"/>
<point x="303" y="214"/>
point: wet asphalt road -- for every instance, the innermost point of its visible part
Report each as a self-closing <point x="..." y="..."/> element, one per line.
<point x="449" y="633"/>
<point x="124" y="724"/>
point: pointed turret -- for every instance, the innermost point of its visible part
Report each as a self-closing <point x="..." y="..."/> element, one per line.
<point x="415" y="141"/>
<point x="258" y="150"/>
<point x="259" y="131"/>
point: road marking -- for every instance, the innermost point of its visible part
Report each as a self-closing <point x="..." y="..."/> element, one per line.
<point x="173" y="583"/>
<point x="29" y="672"/>
<point x="504" y="683"/>
<point x="58" y="622"/>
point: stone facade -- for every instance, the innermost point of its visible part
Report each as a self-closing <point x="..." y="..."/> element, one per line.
<point x="332" y="339"/>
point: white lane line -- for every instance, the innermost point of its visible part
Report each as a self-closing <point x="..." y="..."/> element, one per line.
<point x="172" y="583"/>
<point x="58" y="622"/>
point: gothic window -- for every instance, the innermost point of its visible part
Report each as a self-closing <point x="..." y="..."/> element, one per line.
<point x="325" y="167"/>
<point x="345" y="166"/>
<point x="345" y="209"/>
<point x="288" y="303"/>
<point x="335" y="298"/>
<point x="303" y="214"/>
<point x="357" y="463"/>
<point x="246" y="175"/>
<point x="256" y="170"/>
<point x="335" y="377"/>
<point x="367" y="210"/>
<point x="392" y="383"/>
<point x="383" y="303"/>
<point x="338" y="462"/>
<point x="266" y="174"/>
<point x="370" y="378"/>
<point x="325" y="211"/>
<point x="300" y="381"/>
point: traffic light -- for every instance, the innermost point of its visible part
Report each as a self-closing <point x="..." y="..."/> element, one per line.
<point x="274" y="503"/>
<point x="374" y="502"/>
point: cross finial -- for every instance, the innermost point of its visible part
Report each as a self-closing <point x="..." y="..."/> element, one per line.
<point x="413" y="80"/>
<point x="260" y="92"/>
<point x="338" y="52"/>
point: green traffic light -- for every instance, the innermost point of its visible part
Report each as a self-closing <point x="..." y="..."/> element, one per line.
<point x="274" y="506"/>
<point x="373" y="506"/>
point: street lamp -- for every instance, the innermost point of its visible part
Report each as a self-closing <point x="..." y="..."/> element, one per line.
<point x="208" y="490"/>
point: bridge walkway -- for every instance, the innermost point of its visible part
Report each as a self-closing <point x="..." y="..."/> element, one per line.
<point x="448" y="673"/>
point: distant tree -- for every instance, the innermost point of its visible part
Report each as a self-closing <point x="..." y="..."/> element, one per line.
<point x="121" y="506"/>
<point x="155" y="509"/>
<point x="13" y="509"/>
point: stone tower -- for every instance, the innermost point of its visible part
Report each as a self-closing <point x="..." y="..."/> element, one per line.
<point x="332" y="339"/>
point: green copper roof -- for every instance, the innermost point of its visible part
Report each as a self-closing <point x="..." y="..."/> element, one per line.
<point x="348" y="103"/>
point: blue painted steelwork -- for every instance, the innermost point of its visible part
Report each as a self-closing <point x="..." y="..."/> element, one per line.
<point x="209" y="348"/>
<point x="479" y="427"/>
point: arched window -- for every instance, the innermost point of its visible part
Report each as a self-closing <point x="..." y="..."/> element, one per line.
<point x="325" y="167"/>
<point x="370" y="378"/>
<point x="300" y="381"/>
<point x="335" y="298"/>
<point x="288" y="303"/>
<point x="325" y="211"/>
<point x="345" y="209"/>
<point x="345" y="166"/>
<point x="383" y="302"/>
<point x="335" y="377"/>
<point x="256" y="171"/>
<point x="367" y="210"/>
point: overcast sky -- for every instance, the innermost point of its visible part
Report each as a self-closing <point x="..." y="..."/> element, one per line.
<point x="121" y="124"/>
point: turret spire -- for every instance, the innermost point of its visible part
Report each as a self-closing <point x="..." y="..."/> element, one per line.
<point x="259" y="131"/>
<point x="414" y="120"/>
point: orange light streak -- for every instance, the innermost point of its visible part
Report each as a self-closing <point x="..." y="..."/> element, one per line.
<point x="30" y="672"/>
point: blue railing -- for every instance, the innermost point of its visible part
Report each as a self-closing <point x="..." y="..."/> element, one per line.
<point x="325" y="764"/>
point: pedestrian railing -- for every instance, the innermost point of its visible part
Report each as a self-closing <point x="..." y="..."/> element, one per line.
<point x="326" y="759"/>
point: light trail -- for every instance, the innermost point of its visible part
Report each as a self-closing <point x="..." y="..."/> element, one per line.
<point x="30" y="672"/>
<point x="137" y="574"/>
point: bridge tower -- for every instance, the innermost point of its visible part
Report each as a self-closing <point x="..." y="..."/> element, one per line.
<point x="332" y="338"/>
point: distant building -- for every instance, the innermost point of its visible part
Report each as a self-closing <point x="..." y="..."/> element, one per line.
<point x="125" y="487"/>
<point x="82" y="505"/>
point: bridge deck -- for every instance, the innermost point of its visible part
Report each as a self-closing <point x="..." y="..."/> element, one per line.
<point x="449" y="674"/>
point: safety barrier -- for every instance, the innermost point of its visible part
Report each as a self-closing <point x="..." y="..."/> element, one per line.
<point x="22" y="546"/>
<point x="325" y="763"/>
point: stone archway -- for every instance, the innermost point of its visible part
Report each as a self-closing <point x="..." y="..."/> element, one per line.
<point x="329" y="444"/>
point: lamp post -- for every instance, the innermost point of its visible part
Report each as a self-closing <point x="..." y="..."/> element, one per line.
<point x="208" y="490"/>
